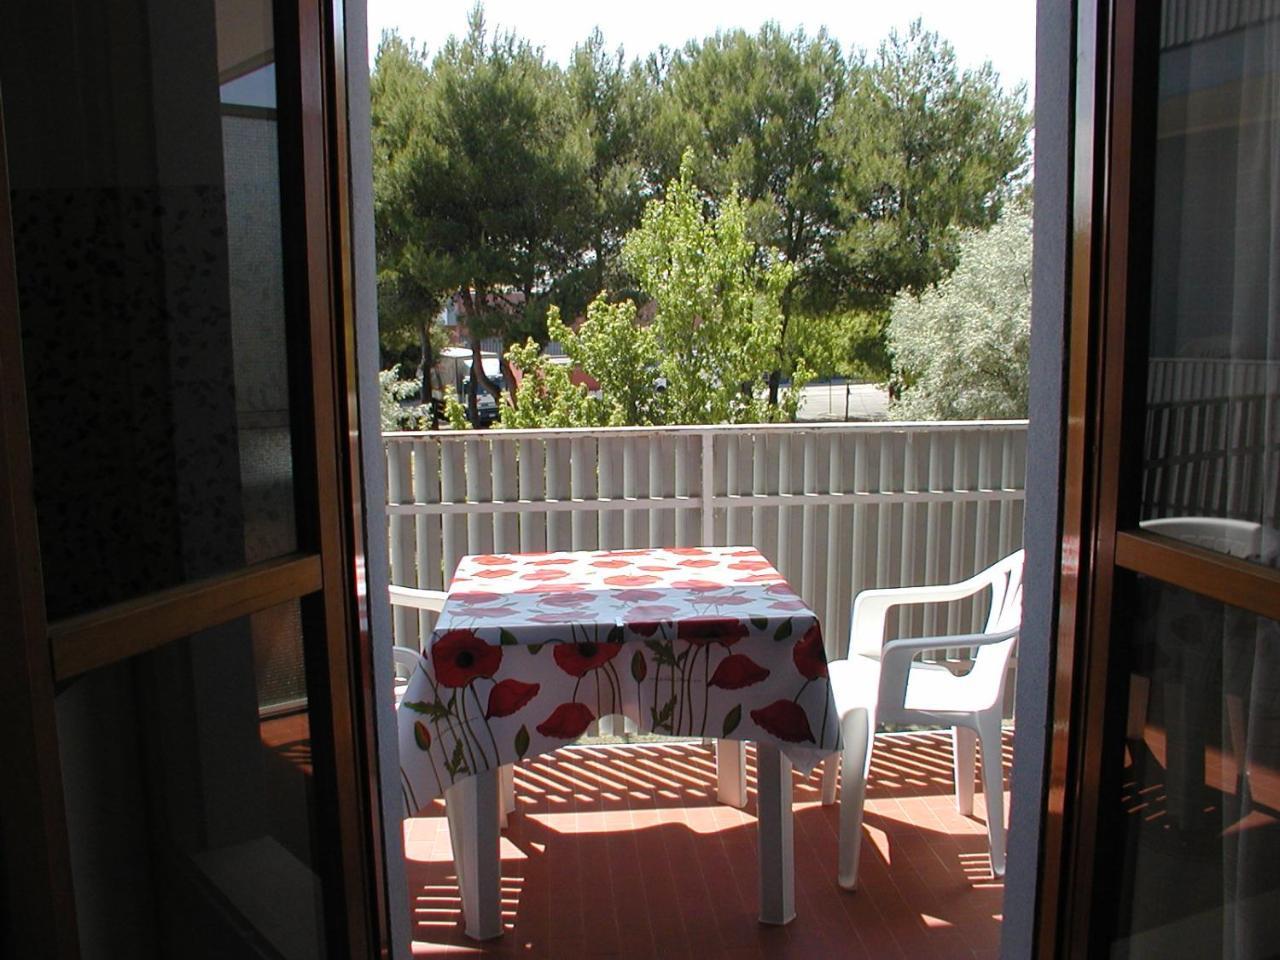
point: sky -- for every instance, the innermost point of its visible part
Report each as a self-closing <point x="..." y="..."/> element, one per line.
<point x="1002" y="31"/>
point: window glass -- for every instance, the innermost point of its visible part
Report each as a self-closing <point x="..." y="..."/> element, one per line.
<point x="146" y="212"/>
<point x="1212" y="451"/>
<point x="1198" y="815"/>
<point x="191" y="809"/>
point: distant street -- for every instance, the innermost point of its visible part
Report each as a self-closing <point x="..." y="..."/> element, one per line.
<point x="864" y="401"/>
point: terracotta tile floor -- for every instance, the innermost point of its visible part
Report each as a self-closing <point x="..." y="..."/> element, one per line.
<point x="623" y="852"/>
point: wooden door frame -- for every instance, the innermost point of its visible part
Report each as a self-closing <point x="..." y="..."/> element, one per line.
<point x="35" y="887"/>
<point x="1116" y="57"/>
<point x="322" y="574"/>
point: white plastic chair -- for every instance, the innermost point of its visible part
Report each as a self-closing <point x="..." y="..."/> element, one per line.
<point x="406" y="658"/>
<point x="883" y="681"/>
<point x="406" y="661"/>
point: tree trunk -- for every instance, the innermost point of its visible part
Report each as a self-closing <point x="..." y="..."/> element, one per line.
<point x="479" y="379"/>
<point x="775" y="376"/>
<point x="428" y="367"/>
<point x="509" y="375"/>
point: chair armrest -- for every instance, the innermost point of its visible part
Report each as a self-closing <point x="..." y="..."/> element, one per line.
<point x="418" y="599"/>
<point x="406" y="658"/>
<point x="871" y="609"/>
<point x="896" y="657"/>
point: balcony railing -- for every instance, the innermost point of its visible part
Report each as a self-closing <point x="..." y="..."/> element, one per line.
<point x="836" y="507"/>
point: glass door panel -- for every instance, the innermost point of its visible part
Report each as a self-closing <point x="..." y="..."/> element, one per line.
<point x="1198" y="827"/>
<point x="191" y="809"/>
<point x="1212" y="447"/>
<point x="169" y="332"/>
<point x="1195" y="817"/>
<point x="147" y="218"/>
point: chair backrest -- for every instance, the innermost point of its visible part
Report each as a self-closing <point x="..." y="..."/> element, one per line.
<point x="989" y="667"/>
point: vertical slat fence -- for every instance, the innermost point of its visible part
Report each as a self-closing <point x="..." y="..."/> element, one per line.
<point x="836" y="507"/>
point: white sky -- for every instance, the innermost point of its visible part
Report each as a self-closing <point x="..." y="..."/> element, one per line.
<point x="1002" y="31"/>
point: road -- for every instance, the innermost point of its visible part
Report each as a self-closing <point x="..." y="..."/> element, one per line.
<point x="862" y="401"/>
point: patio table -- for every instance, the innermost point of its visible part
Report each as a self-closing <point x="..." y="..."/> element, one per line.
<point x="531" y="649"/>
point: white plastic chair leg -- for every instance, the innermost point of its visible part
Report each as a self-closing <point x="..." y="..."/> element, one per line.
<point x="963" y="742"/>
<point x="855" y="731"/>
<point x="731" y="772"/>
<point x="775" y="824"/>
<point x="830" y="767"/>
<point x="471" y="806"/>
<point x="993" y="787"/>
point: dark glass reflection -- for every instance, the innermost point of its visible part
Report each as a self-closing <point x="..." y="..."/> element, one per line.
<point x="1198" y="816"/>
<point x="1213" y="391"/>
<point x="146" y="205"/>
<point x="190" y="802"/>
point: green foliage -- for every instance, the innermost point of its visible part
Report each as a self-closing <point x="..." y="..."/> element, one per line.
<point x="924" y="151"/>
<point x="503" y="178"/>
<point x="711" y="341"/>
<point x="477" y="190"/>
<point x="858" y="173"/>
<point x="546" y="397"/>
<point x="393" y="414"/>
<point x="719" y="317"/>
<point x="622" y="356"/>
<point x="962" y="349"/>
<point x="609" y="105"/>
<point x="455" y="413"/>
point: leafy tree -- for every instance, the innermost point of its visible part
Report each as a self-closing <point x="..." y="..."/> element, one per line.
<point x="961" y="349"/>
<point x="859" y="173"/>
<point x="621" y="355"/>
<point x="609" y="106"/>
<point x="407" y="299"/>
<point x="925" y="151"/>
<point x="484" y="191"/>
<point x="718" y="300"/>
<point x="547" y="397"/>
<point x="714" y="331"/>
<point x="757" y="111"/>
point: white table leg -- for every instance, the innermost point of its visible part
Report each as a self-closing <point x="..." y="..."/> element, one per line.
<point x="777" y="842"/>
<point x="472" y="809"/>
<point x="731" y="772"/>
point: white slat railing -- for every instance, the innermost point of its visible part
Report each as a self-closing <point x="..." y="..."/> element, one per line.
<point x="836" y="507"/>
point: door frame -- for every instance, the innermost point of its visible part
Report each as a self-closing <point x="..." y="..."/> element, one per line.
<point x="324" y="574"/>
<point x="1113" y="125"/>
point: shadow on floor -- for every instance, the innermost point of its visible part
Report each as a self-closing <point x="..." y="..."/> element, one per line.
<point x="624" y="852"/>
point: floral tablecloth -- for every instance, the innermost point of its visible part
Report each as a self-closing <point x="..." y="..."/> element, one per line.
<point x="530" y="649"/>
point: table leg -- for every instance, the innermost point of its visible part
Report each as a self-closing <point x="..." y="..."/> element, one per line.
<point x="777" y="842"/>
<point x="731" y="772"/>
<point x="472" y="809"/>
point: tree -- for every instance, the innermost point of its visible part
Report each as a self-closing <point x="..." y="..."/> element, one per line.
<point x="547" y="397"/>
<point x="485" y="193"/>
<point x="961" y="349"/>
<point x="757" y="112"/>
<point x="407" y="299"/>
<point x="714" y="332"/>
<point x="609" y="105"/>
<point x="925" y="151"/>
<point x="859" y="173"/>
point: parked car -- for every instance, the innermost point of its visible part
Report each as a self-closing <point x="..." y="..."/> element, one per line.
<point x="486" y="408"/>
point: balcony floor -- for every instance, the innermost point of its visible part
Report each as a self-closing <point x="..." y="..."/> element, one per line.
<point x="624" y="852"/>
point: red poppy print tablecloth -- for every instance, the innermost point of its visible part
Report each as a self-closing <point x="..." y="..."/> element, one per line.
<point x="530" y="649"/>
